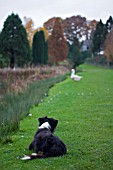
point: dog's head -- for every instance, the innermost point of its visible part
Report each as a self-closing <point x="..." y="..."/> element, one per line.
<point x="52" y="122"/>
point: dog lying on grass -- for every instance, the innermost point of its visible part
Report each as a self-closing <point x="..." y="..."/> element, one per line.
<point x="45" y="144"/>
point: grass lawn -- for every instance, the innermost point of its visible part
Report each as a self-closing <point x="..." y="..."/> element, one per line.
<point x="85" y="113"/>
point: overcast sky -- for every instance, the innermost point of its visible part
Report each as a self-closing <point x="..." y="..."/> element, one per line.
<point x="41" y="10"/>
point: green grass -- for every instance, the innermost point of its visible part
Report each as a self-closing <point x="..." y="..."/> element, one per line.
<point x="85" y="113"/>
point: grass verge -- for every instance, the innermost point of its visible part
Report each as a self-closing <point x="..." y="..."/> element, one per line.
<point x="14" y="107"/>
<point x="85" y="113"/>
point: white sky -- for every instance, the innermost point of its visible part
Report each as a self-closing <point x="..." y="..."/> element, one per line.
<point x="41" y="10"/>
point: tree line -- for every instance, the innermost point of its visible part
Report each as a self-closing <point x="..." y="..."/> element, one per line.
<point x="103" y="40"/>
<point x="21" y="45"/>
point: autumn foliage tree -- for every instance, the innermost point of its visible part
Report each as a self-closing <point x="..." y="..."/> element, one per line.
<point x="57" y="44"/>
<point x="29" y="26"/>
<point x="74" y="27"/>
<point x="108" y="47"/>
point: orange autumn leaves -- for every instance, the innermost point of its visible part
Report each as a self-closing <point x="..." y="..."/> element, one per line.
<point x="57" y="45"/>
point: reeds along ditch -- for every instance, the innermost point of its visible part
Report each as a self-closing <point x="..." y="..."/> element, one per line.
<point x="15" y="80"/>
<point x="12" y="79"/>
<point x="13" y="107"/>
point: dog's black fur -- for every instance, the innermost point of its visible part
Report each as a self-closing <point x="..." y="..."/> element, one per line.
<point x="45" y="143"/>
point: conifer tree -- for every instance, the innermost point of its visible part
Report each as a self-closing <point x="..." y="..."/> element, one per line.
<point x="14" y="45"/>
<point x="74" y="54"/>
<point x="99" y="37"/>
<point x="39" y="48"/>
<point x="46" y="52"/>
<point x="109" y="24"/>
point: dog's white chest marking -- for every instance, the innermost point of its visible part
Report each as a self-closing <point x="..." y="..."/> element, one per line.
<point x="45" y="125"/>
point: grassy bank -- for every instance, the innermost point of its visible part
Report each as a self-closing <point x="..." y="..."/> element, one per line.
<point x="14" y="107"/>
<point x="85" y="113"/>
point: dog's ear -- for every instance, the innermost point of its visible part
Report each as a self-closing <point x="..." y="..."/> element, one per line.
<point x="53" y="122"/>
<point x="42" y="120"/>
<point x="39" y="119"/>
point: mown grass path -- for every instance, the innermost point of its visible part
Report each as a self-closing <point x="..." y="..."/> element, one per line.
<point x="85" y="113"/>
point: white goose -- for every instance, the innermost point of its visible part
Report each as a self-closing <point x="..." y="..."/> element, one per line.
<point x="74" y="76"/>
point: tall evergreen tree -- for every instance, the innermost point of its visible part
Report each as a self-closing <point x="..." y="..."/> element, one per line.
<point x="46" y="52"/>
<point x="75" y="55"/>
<point x="39" y="48"/>
<point x="14" y="45"/>
<point x="99" y="37"/>
<point x="109" y="24"/>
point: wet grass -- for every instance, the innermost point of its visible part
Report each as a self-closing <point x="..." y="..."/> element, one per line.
<point x="85" y="113"/>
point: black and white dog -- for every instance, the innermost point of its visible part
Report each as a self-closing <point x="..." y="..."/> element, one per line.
<point x="45" y="143"/>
